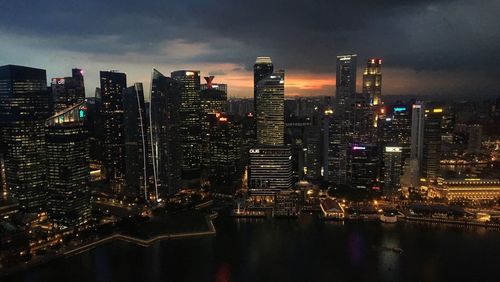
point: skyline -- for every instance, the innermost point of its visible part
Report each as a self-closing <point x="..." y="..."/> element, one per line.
<point x="304" y="39"/>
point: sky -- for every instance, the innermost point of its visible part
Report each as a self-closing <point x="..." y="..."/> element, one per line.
<point x="445" y="47"/>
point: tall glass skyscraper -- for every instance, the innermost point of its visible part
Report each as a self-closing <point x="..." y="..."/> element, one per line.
<point x="136" y="145"/>
<point x="342" y="121"/>
<point x="24" y="107"/>
<point x="165" y="139"/>
<point x="372" y="81"/>
<point x="269" y="111"/>
<point x="432" y="142"/>
<point x="345" y="85"/>
<point x="190" y="125"/>
<point x="113" y="84"/>
<point x="262" y="68"/>
<point x="213" y="100"/>
<point x="68" y="170"/>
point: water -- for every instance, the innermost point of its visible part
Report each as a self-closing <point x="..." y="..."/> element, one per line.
<point x="292" y="250"/>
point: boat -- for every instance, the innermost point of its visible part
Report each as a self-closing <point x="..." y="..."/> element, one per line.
<point x="389" y="217"/>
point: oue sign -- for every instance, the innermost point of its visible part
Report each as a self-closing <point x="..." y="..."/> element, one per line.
<point x="254" y="151"/>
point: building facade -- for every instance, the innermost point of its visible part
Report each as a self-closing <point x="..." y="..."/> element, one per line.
<point x="24" y="107"/>
<point x="113" y="84"/>
<point x="165" y="139"/>
<point x="68" y="167"/>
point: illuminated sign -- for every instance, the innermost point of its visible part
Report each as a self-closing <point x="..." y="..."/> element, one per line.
<point x="437" y="110"/>
<point x="358" y="148"/>
<point x="344" y="58"/>
<point x="393" y="149"/>
<point x="399" y="109"/>
<point x="58" y="81"/>
<point x="189" y="73"/>
<point x="254" y="151"/>
<point x="223" y="119"/>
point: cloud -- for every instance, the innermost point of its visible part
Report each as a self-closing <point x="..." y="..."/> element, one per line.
<point x="457" y="39"/>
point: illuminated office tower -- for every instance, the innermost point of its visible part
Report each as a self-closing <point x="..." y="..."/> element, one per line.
<point x="414" y="166"/>
<point x="364" y="164"/>
<point x="224" y="146"/>
<point x="269" y="111"/>
<point x="67" y="91"/>
<point x="392" y="170"/>
<point x="337" y="151"/>
<point x="269" y="170"/>
<point x="165" y="123"/>
<point x="24" y="107"/>
<point x="342" y="121"/>
<point x="190" y="125"/>
<point x="113" y="84"/>
<point x="313" y="136"/>
<point x="362" y="119"/>
<point x="262" y="68"/>
<point x="213" y="100"/>
<point x="345" y="87"/>
<point x="136" y="145"/>
<point x="432" y="143"/>
<point x="372" y="81"/>
<point x="68" y="169"/>
<point x="213" y="97"/>
<point x="417" y="130"/>
<point x="401" y="125"/>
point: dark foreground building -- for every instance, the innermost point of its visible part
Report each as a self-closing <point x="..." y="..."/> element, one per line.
<point x="24" y="107"/>
<point x="68" y="167"/>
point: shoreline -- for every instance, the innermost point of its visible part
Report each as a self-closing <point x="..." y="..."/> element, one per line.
<point x="117" y="236"/>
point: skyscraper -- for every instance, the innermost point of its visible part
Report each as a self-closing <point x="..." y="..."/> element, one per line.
<point x="269" y="111"/>
<point x="392" y="169"/>
<point x="136" y="145"/>
<point x="113" y="84"/>
<point x="213" y="100"/>
<point x="342" y="121"/>
<point x="224" y="144"/>
<point x="190" y="125"/>
<point x="262" y="68"/>
<point x="165" y="123"/>
<point x="365" y="168"/>
<point x="269" y="170"/>
<point x="345" y="86"/>
<point x="432" y="143"/>
<point x="24" y="107"/>
<point x="414" y="167"/>
<point x="67" y="91"/>
<point x="372" y="81"/>
<point x="68" y="170"/>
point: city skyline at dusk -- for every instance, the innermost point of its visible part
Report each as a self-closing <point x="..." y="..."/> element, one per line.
<point x="428" y="47"/>
<point x="282" y="140"/>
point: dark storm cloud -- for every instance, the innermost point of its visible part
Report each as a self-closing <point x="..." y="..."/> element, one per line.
<point x="446" y="35"/>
